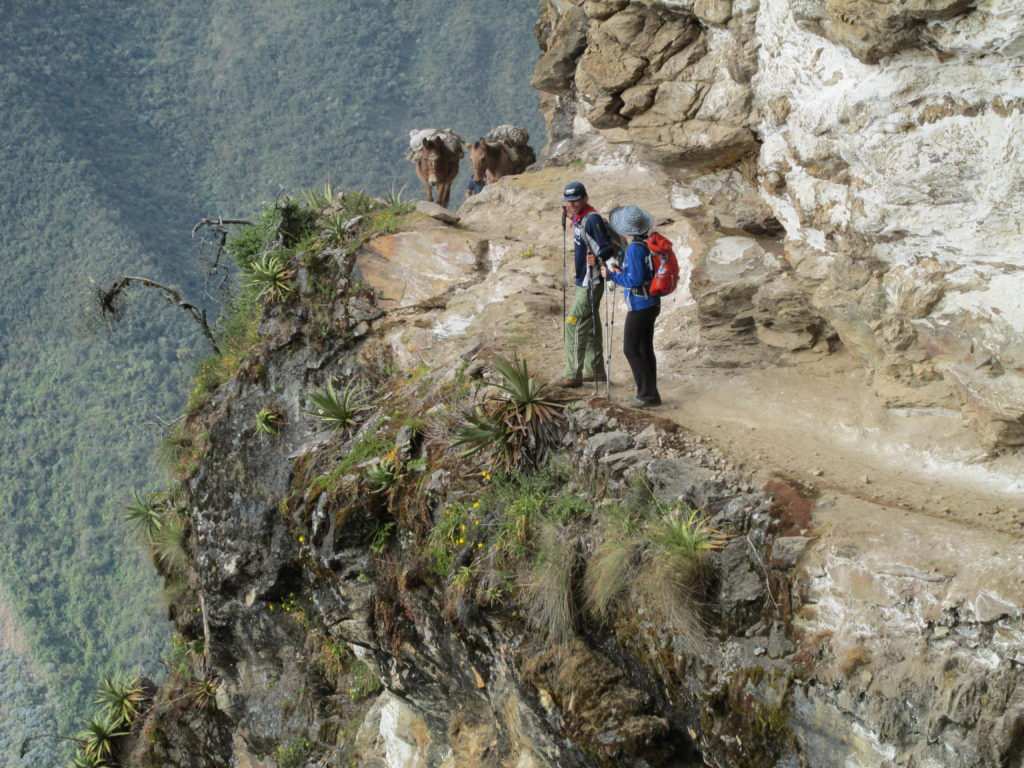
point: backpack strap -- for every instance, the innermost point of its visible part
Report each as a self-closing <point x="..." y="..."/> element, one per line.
<point x="645" y="290"/>
<point x="592" y="245"/>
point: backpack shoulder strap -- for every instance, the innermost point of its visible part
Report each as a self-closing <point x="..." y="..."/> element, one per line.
<point x="644" y="290"/>
<point x="591" y="242"/>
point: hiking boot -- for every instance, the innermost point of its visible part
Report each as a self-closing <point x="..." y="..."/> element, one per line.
<point x="592" y="377"/>
<point x="636" y="402"/>
<point x="568" y="383"/>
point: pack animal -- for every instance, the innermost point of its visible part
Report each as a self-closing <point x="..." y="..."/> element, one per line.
<point x="493" y="159"/>
<point x="437" y="168"/>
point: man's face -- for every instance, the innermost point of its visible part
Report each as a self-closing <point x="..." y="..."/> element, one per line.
<point x="573" y="207"/>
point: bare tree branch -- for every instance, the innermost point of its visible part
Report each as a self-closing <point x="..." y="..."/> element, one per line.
<point x="29" y="739"/>
<point x="216" y="234"/>
<point x="109" y="303"/>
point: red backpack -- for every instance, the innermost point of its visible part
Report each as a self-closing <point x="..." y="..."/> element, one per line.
<point x="664" y="266"/>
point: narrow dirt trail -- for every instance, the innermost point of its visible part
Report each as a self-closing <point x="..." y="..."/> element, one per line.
<point x="807" y="417"/>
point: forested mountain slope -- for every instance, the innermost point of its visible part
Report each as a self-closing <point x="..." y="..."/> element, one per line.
<point x="122" y="125"/>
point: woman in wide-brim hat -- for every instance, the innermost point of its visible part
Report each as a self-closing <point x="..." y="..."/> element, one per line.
<point x="635" y="278"/>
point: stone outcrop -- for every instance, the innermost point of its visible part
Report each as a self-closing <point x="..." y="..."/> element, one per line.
<point x="647" y="75"/>
<point x="834" y="631"/>
<point x="833" y="174"/>
<point x="881" y="135"/>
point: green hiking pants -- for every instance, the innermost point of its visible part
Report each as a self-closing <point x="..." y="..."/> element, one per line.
<point x="583" y="350"/>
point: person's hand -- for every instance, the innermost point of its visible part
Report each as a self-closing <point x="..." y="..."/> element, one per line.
<point x="591" y="260"/>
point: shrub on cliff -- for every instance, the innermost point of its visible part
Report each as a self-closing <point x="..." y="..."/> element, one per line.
<point x="519" y="428"/>
<point x="654" y="560"/>
<point x="337" y="410"/>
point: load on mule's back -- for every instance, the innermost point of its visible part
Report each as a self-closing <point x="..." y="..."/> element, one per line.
<point x="504" y="151"/>
<point x="436" y="155"/>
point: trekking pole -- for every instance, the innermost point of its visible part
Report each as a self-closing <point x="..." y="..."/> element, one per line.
<point x="609" y="313"/>
<point x="595" y="322"/>
<point x="563" y="277"/>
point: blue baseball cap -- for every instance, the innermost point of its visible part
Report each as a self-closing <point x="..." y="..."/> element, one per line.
<point x="573" y="191"/>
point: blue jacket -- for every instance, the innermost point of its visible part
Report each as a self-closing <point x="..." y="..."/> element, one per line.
<point x="597" y="232"/>
<point x="636" y="272"/>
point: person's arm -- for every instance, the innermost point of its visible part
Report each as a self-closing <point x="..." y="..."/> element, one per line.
<point x="634" y="271"/>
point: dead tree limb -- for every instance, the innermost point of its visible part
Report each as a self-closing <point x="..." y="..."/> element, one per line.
<point x="111" y="307"/>
<point x="29" y="739"/>
<point x="215" y="234"/>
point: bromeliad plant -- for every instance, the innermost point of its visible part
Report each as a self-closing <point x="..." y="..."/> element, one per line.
<point x="271" y="276"/>
<point x="146" y="516"/>
<point x="338" y="410"/>
<point x="518" y="428"/>
<point x="121" y="698"/>
<point x="98" y="737"/>
<point x="82" y="760"/>
<point x="268" y="420"/>
<point x="385" y="474"/>
<point x="317" y="200"/>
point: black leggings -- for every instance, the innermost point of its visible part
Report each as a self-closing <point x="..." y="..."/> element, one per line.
<point x="638" y="347"/>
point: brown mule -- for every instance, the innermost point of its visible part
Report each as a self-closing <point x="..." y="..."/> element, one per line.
<point x="493" y="159"/>
<point x="437" y="167"/>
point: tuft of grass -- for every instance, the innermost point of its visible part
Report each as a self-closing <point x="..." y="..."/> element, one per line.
<point x="393" y="198"/>
<point x="463" y="578"/>
<point x="658" y="562"/>
<point x="292" y="754"/>
<point x="365" y="682"/>
<point x="357" y="203"/>
<point x="371" y="443"/>
<point x="237" y="335"/>
<point x="82" y="760"/>
<point x="169" y="544"/>
<point x="202" y="692"/>
<point x="337" y="227"/>
<point x="548" y="591"/>
<point x="447" y="537"/>
<point x="250" y="243"/>
<point x="379" y="540"/>
<point x="610" y="570"/>
<point x="685" y="538"/>
<point x="384" y="475"/>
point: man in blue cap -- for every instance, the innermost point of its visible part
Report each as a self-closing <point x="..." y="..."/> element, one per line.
<point x="591" y="241"/>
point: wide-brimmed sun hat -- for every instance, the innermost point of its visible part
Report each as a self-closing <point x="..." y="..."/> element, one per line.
<point x="630" y="220"/>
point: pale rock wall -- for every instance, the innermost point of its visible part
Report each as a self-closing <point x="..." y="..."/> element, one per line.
<point x="883" y="137"/>
<point x="917" y="625"/>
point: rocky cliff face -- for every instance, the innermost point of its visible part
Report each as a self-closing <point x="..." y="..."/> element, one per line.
<point x="881" y="136"/>
<point x="830" y="630"/>
<point x="837" y="178"/>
